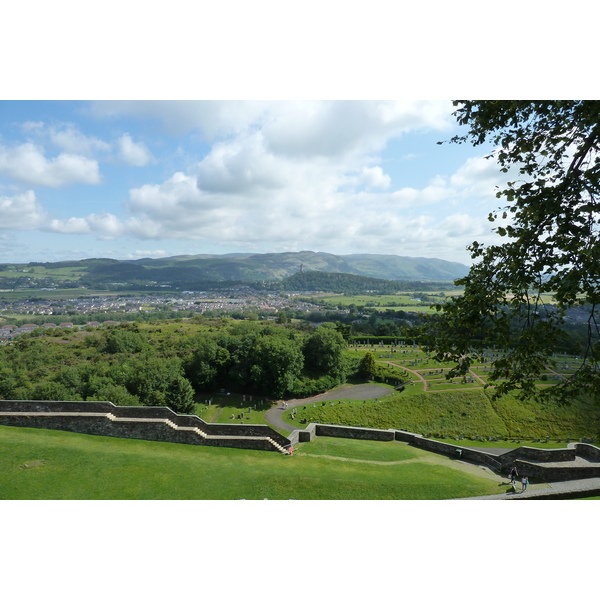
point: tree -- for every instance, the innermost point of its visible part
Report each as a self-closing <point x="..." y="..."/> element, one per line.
<point x="179" y="395"/>
<point x="123" y="340"/>
<point x="367" y="367"/>
<point x="160" y="382"/>
<point x="324" y="351"/>
<point x="202" y="369"/>
<point x="276" y="365"/>
<point x="551" y="245"/>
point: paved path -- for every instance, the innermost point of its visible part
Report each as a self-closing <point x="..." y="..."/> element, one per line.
<point x="553" y="491"/>
<point x="366" y="391"/>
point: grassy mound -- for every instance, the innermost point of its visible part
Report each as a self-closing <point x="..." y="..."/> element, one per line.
<point x="467" y="412"/>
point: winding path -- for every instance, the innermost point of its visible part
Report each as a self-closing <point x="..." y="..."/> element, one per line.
<point x="366" y="391"/>
<point x="426" y="382"/>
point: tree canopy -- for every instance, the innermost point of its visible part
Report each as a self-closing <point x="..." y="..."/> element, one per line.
<point x="549" y="225"/>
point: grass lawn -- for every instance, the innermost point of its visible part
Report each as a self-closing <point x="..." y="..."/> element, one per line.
<point x="43" y="464"/>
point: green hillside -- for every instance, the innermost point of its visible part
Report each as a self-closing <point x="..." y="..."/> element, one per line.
<point x="345" y="283"/>
<point x="200" y="271"/>
<point x="467" y="412"/>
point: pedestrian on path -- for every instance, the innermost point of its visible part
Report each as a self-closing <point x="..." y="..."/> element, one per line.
<point x="524" y="484"/>
<point x="513" y="474"/>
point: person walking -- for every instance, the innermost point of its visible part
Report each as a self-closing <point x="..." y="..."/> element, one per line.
<point x="524" y="484"/>
<point x="513" y="474"/>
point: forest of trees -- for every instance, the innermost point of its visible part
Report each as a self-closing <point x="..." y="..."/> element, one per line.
<point x="132" y="365"/>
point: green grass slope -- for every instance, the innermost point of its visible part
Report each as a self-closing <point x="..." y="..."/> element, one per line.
<point x="467" y="412"/>
<point x="39" y="464"/>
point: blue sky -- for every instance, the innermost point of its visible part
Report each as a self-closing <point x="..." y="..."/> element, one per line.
<point x="84" y="177"/>
<point x="132" y="179"/>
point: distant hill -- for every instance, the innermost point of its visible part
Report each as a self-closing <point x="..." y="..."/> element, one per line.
<point x="197" y="271"/>
<point x="269" y="267"/>
<point x="406" y="267"/>
<point x="346" y="283"/>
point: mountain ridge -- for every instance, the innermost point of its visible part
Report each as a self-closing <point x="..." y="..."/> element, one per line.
<point x="283" y="264"/>
<point x="191" y="271"/>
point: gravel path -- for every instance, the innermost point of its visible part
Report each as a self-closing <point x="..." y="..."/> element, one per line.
<point x="366" y="391"/>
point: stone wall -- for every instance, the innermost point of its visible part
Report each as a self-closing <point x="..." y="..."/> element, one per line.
<point x="137" y="422"/>
<point x="357" y="433"/>
<point x="537" y="455"/>
<point x="451" y="450"/>
<point x="555" y="473"/>
<point x="588" y="451"/>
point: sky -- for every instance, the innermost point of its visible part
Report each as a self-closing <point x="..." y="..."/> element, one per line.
<point x="254" y="128"/>
<point x="136" y="179"/>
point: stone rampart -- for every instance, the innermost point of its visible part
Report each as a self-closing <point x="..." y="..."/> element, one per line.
<point x="526" y="453"/>
<point x="588" y="451"/>
<point x="137" y="422"/>
<point x="357" y="433"/>
<point x="556" y="472"/>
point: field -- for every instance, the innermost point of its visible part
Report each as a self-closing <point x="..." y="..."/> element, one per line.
<point x="58" y="294"/>
<point x="39" y="464"/>
<point x="400" y="301"/>
<point x="39" y="272"/>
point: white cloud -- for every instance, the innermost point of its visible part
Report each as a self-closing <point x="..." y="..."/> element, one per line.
<point x="212" y="118"/>
<point x="478" y="176"/>
<point x="346" y="127"/>
<point x="132" y="153"/>
<point x="73" y="141"/>
<point x="374" y="177"/>
<point x="317" y="127"/>
<point x="242" y="166"/>
<point x="26" y="163"/>
<point x="178" y="194"/>
<point x="22" y="211"/>
<point x="437" y="191"/>
<point x="104" y="225"/>
<point x="147" y="254"/>
<point x="33" y="126"/>
<point x="246" y="196"/>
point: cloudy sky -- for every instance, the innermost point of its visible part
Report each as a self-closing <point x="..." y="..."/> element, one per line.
<point x="127" y="179"/>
